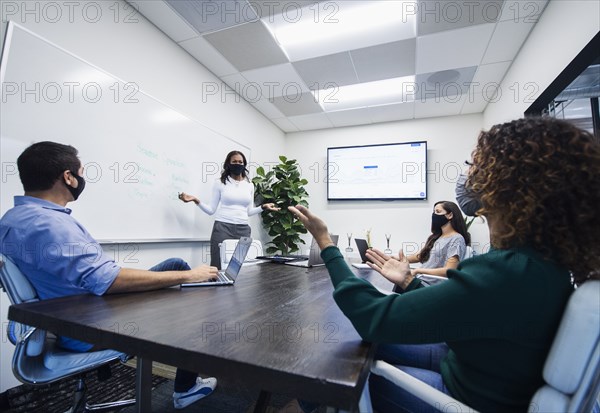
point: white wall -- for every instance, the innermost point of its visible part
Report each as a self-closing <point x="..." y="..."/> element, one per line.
<point x="564" y="29"/>
<point x="450" y="141"/>
<point x="131" y="48"/>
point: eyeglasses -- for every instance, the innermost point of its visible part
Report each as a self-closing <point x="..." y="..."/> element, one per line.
<point x="469" y="163"/>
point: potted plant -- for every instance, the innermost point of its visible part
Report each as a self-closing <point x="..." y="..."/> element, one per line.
<point x="469" y="221"/>
<point x="284" y="187"/>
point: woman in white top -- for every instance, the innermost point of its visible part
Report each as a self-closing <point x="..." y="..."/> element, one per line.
<point x="446" y="245"/>
<point x="232" y="203"/>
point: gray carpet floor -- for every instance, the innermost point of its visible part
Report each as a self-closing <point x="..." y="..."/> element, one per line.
<point x="227" y="398"/>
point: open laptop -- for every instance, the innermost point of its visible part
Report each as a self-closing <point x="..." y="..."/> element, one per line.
<point x="362" y="246"/>
<point x="229" y="275"/>
<point x="314" y="257"/>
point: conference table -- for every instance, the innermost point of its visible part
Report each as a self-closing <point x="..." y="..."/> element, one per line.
<point x="277" y="329"/>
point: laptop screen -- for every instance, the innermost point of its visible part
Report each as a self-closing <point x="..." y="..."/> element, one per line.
<point x="315" y="252"/>
<point x="238" y="257"/>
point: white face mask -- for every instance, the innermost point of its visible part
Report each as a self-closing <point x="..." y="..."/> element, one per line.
<point x="467" y="200"/>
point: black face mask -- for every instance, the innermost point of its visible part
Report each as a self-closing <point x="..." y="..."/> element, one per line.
<point x="236" y="168"/>
<point x="438" y="221"/>
<point x="80" y="186"/>
<point x="467" y="200"/>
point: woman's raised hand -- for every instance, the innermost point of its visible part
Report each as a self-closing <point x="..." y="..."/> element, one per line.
<point x="188" y="198"/>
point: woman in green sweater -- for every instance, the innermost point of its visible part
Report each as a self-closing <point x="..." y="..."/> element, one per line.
<point x="483" y="335"/>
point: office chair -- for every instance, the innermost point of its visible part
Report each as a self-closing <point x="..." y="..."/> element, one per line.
<point x="228" y="246"/>
<point x="571" y="371"/>
<point x="469" y="253"/>
<point x="37" y="359"/>
<point x="436" y="279"/>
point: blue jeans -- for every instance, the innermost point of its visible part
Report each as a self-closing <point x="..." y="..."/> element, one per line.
<point x="421" y="361"/>
<point x="184" y="379"/>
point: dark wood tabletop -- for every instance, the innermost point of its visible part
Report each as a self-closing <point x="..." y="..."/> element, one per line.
<point x="278" y="329"/>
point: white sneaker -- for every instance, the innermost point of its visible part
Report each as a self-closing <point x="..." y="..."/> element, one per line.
<point x="201" y="389"/>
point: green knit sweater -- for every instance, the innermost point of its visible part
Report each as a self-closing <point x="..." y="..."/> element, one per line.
<point x="498" y="312"/>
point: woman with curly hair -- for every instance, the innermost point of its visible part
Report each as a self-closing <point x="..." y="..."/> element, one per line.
<point x="446" y="246"/>
<point x="483" y="335"/>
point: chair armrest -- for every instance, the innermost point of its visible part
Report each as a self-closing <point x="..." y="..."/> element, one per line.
<point x="419" y="389"/>
<point x="431" y="279"/>
<point x="34" y="341"/>
<point x="18" y="333"/>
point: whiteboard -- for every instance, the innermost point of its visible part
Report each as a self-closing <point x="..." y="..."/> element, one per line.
<point x="137" y="152"/>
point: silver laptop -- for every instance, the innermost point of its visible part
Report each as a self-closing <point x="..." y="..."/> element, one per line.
<point x="230" y="274"/>
<point x="314" y="257"/>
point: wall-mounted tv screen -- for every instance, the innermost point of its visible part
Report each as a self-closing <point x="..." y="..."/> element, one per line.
<point x="377" y="172"/>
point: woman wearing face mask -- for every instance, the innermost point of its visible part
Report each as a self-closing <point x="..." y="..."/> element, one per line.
<point x="483" y="335"/>
<point x="446" y="245"/>
<point x="232" y="203"/>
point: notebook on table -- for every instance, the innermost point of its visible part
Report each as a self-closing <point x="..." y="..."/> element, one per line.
<point x="362" y="246"/>
<point x="229" y="275"/>
<point x="314" y="257"/>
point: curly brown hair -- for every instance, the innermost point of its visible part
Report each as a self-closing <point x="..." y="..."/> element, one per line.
<point x="539" y="180"/>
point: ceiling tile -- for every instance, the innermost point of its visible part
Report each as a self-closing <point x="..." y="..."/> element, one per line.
<point x="291" y="9"/>
<point x="241" y="86"/>
<point x="529" y="10"/>
<point x="507" y="41"/>
<point x="319" y="72"/>
<point x="298" y="105"/>
<point x="310" y="122"/>
<point x="457" y="48"/>
<point x="350" y="117"/>
<point x="278" y="80"/>
<point x="486" y="81"/>
<point x="444" y="83"/>
<point x="386" y="61"/>
<point x="247" y="46"/>
<point x="208" y="56"/>
<point x="443" y="106"/>
<point x="434" y="16"/>
<point x="285" y="125"/>
<point x="208" y="15"/>
<point x="268" y="109"/>
<point x="167" y="20"/>
<point x="393" y="112"/>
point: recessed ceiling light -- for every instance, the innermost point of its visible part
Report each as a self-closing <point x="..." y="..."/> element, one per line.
<point x="381" y="92"/>
<point x="329" y="27"/>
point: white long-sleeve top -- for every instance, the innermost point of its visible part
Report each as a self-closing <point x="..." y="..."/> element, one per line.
<point x="232" y="203"/>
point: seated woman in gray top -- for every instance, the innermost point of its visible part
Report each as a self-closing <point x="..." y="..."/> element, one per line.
<point x="446" y="245"/>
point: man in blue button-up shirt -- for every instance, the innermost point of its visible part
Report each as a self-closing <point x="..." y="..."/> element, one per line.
<point x="60" y="258"/>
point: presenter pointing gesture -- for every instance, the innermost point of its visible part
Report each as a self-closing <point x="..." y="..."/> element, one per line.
<point x="232" y="203"/>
